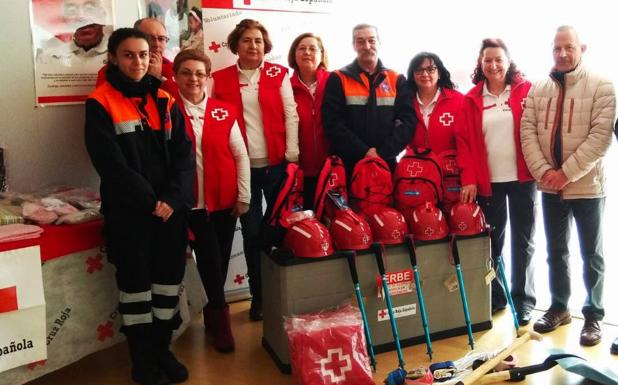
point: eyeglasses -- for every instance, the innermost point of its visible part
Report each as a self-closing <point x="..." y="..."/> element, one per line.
<point x="310" y="49"/>
<point x="428" y="70"/>
<point x="160" y="39"/>
<point x="189" y="74"/>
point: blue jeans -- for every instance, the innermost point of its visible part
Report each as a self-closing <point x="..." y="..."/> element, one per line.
<point x="264" y="181"/>
<point x="518" y="201"/>
<point x="588" y="214"/>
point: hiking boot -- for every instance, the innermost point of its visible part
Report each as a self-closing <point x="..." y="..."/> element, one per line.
<point x="551" y="320"/>
<point x="591" y="333"/>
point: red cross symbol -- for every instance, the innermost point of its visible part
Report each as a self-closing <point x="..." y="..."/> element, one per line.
<point x="396" y="234"/>
<point x="365" y="239"/>
<point x="239" y="279"/>
<point x="447" y="119"/>
<point x="247" y="2"/>
<point x="414" y="169"/>
<point x="105" y="331"/>
<point x="382" y="314"/>
<point x="273" y="71"/>
<point x="325" y="246"/>
<point x="34" y="364"/>
<point x="451" y="166"/>
<point x="94" y="263"/>
<point x="214" y="46"/>
<point x="462" y="226"/>
<point x="335" y="361"/>
<point x="219" y="114"/>
<point x="429" y="231"/>
<point x="333" y="178"/>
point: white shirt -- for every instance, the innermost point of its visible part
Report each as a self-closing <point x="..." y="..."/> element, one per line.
<point x="252" y="113"/>
<point x="426" y="110"/>
<point x="237" y="146"/>
<point x="70" y="54"/>
<point x="498" y="127"/>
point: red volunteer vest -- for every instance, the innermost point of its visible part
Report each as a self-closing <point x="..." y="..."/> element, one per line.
<point x="227" y="88"/>
<point x="440" y="136"/>
<point x="220" y="176"/>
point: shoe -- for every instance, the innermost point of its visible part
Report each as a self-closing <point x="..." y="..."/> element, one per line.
<point x="614" y="348"/>
<point x="222" y="330"/>
<point x="173" y="369"/>
<point x="523" y="317"/>
<point x="255" y="312"/>
<point x="551" y="320"/>
<point x="144" y="368"/>
<point x="591" y="333"/>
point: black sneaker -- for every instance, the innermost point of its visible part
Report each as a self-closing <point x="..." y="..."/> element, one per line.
<point x="614" y="348"/>
<point x="255" y="312"/>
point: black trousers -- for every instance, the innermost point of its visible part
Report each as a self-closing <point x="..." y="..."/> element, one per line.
<point x="214" y="235"/>
<point x="517" y="201"/>
<point x="149" y="256"/>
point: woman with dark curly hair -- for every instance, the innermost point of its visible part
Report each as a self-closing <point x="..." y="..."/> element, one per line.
<point x="493" y="168"/>
<point x="436" y="101"/>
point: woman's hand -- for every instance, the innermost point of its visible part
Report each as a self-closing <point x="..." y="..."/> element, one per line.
<point x="239" y="209"/>
<point x="163" y="211"/>
<point x="468" y="193"/>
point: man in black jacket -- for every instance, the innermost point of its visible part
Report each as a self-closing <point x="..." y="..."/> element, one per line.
<point x="367" y="108"/>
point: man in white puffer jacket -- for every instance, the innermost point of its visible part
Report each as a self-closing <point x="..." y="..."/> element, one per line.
<point x="566" y="129"/>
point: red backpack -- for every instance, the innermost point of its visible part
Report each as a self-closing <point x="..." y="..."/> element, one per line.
<point x="371" y="185"/>
<point x="451" y="181"/>
<point x="289" y="200"/>
<point x="332" y="180"/>
<point x="418" y="179"/>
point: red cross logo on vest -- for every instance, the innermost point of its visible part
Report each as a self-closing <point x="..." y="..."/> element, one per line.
<point x="219" y="114"/>
<point x="332" y="180"/>
<point x="382" y="314"/>
<point x="105" y="331"/>
<point x="335" y="362"/>
<point x="273" y="71"/>
<point x="446" y="119"/>
<point x="214" y="46"/>
<point x="94" y="263"/>
<point x="239" y="279"/>
<point x="414" y="169"/>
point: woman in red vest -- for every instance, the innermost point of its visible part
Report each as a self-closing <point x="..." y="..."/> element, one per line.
<point x="309" y="60"/>
<point x="494" y="170"/>
<point x="435" y="101"/>
<point x="221" y="185"/>
<point x="263" y="96"/>
<point x="136" y="139"/>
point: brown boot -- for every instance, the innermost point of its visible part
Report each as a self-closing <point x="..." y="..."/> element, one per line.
<point x="222" y="330"/>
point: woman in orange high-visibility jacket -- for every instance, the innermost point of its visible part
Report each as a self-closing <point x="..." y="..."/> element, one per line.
<point x="136" y="140"/>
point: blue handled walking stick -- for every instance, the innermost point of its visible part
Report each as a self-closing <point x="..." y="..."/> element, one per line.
<point x="378" y="249"/>
<point x="350" y="255"/>
<point x="462" y="290"/>
<point x="502" y="275"/>
<point x="419" y="292"/>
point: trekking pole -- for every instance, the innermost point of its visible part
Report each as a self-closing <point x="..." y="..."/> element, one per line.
<point x="419" y="292"/>
<point x="502" y="275"/>
<point x="350" y="255"/>
<point x="462" y="290"/>
<point x="378" y="249"/>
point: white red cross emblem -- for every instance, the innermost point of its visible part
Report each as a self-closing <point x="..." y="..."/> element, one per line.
<point x="414" y="169"/>
<point x="336" y="361"/>
<point x="429" y="231"/>
<point x="219" y="114"/>
<point x="462" y="226"/>
<point x="273" y="71"/>
<point x="396" y="234"/>
<point x="446" y="119"/>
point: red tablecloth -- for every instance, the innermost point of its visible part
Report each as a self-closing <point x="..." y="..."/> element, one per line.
<point x="60" y="240"/>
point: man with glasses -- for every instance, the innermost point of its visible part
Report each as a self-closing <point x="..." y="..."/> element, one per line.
<point x="159" y="67"/>
<point x="367" y="108"/>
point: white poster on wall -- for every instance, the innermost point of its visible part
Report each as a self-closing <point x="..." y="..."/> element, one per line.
<point x="69" y="40"/>
<point x="22" y="308"/>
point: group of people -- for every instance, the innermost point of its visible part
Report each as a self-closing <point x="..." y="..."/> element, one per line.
<point x="173" y="158"/>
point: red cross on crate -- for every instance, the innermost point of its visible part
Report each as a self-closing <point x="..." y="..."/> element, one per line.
<point x="336" y="362"/>
<point x="219" y="114"/>
<point x="105" y="331"/>
<point x="273" y="71"/>
<point x="239" y="279"/>
<point x="382" y="314"/>
<point x="414" y="169"/>
<point x="447" y="119"/>
<point x="34" y="364"/>
<point x="214" y="46"/>
<point x="95" y="263"/>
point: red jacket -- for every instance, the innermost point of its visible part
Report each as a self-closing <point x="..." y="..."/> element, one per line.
<point x="167" y="71"/>
<point x="471" y="150"/>
<point x="227" y="88"/>
<point x="312" y="141"/>
<point x="445" y="116"/>
<point x="220" y="176"/>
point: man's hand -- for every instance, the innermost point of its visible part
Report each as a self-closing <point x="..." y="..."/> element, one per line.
<point x="372" y="152"/>
<point x="163" y="211"/>
<point x="155" y="67"/>
<point x="555" y="180"/>
<point x="240" y="208"/>
<point x="468" y="193"/>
